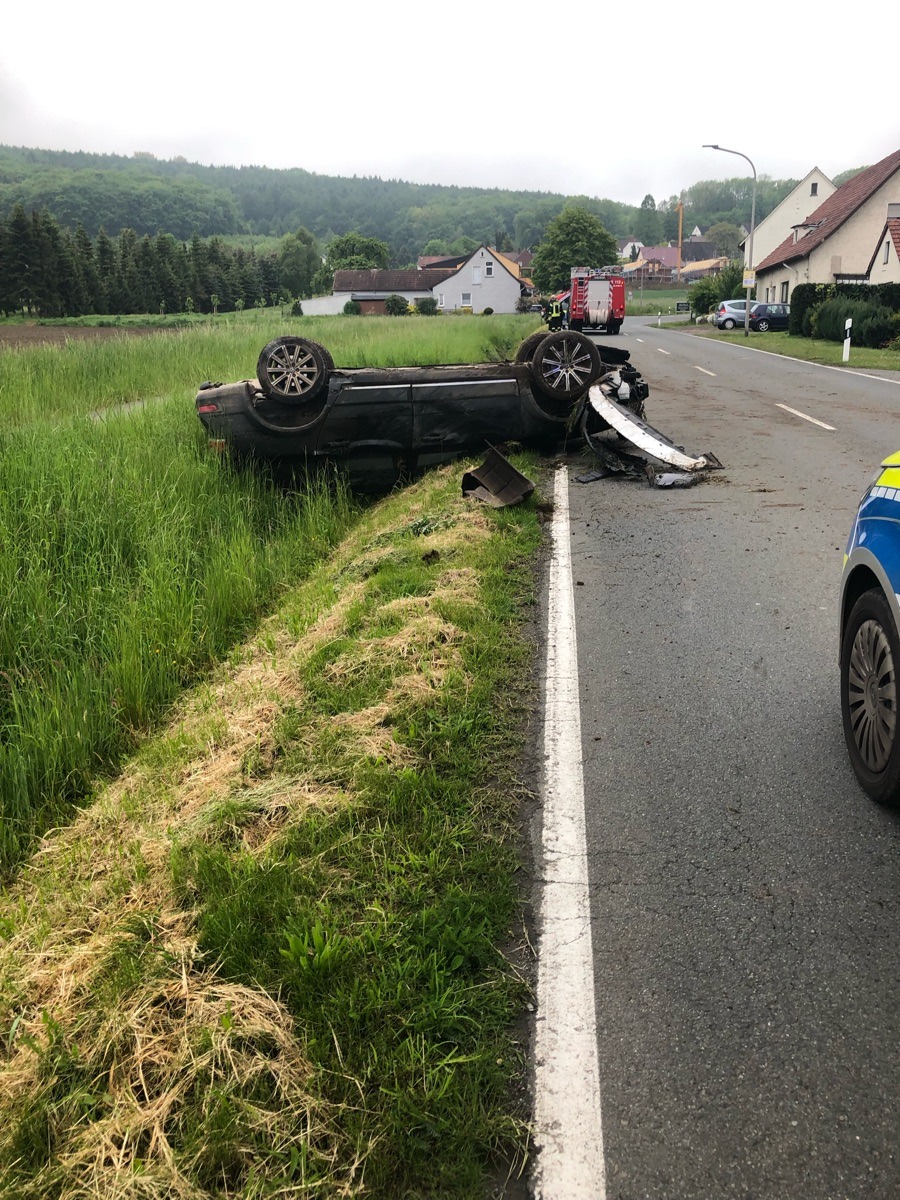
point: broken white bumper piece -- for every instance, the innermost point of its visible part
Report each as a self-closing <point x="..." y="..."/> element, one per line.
<point x="644" y="436"/>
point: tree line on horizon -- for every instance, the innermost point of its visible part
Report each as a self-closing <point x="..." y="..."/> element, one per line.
<point x="152" y="196"/>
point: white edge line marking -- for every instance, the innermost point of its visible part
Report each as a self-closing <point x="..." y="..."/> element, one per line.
<point x="806" y="362"/>
<point x="568" y="1129"/>
<point x="659" y="350"/>
<point x="797" y="413"/>
<point x="704" y="370"/>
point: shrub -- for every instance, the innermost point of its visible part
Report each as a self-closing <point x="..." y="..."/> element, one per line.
<point x="352" y="308"/>
<point x="873" y="323"/>
<point x="296" y="309"/>
<point x="396" y="306"/>
<point x="704" y="295"/>
<point x="427" y="307"/>
<point x="487" y="312"/>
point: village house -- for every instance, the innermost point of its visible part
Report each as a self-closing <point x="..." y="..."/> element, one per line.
<point x="813" y="189"/>
<point x="468" y="282"/>
<point x="833" y="244"/>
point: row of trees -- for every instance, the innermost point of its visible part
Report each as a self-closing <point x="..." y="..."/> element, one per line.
<point x="50" y="272"/>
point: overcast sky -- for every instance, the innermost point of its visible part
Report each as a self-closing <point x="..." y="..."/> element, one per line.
<point x="604" y="99"/>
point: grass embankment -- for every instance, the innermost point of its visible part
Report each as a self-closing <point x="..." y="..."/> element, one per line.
<point x="129" y="560"/>
<point x="264" y="962"/>
<point x="809" y="349"/>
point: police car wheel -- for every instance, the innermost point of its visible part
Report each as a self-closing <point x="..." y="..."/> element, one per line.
<point x="870" y="661"/>
<point x="293" y="369"/>
<point x="565" y="364"/>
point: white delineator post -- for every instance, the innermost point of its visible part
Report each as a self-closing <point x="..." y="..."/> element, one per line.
<point x="848" y="325"/>
<point x="567" y="1127"/>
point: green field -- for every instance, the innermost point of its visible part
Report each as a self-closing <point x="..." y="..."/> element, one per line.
<point x="258" y="955"/>
<point x="128" y="559"/>
<point x="652" y="302"/>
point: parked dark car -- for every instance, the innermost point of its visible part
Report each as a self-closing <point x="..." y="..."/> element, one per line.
<point x="764" y="317"/>
<point x="378" y="425"/>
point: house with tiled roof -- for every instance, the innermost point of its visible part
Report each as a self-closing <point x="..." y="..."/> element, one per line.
<point x="833" y="243"/>
<point x="370" y="288"/>
<point x="813" y="189"/>
<point x="483" y="279"/>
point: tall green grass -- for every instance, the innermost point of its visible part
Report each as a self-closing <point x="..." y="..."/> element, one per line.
<point x="85" y="376"/>
<point x="129" y="560"/>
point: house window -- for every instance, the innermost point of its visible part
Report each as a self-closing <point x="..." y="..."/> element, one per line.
<point x="467" y="299"/>
<point x="488" y="270"/>
<point x="440" y="299"/>
<point x="887" y="251"/>
<point x="814" y="189"/>
<point x="784" y="292"/>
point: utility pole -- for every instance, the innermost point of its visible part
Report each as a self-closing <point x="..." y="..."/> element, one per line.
<point x="680" y="226"/>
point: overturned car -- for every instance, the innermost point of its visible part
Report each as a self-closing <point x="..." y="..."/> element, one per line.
<point x="378" y="425"/>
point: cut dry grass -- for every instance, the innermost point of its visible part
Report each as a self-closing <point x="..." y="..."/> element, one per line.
<point x="264" y="962"/>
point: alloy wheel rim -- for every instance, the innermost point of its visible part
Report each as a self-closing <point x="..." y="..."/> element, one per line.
<point x="566" y="365"/>
<point x="292" y="370"/>
<point x="872" y="695"/>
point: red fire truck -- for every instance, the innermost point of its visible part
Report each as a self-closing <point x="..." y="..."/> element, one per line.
<point x="597" y="298"/>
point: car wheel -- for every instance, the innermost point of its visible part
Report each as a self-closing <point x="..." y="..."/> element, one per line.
<point x="293" y="369"/>
<point x="729" y="324"/>
<point x="762" y="326"/>
<point x="870" y="658"/>
<point x="565" y="365"/>
<point x="612" y="327"/>
<point x="528" y="347"/>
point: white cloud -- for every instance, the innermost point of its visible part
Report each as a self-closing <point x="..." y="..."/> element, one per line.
<point x="606" y="100"/>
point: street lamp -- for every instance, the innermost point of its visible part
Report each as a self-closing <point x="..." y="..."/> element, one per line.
<point x="725" y="150"/>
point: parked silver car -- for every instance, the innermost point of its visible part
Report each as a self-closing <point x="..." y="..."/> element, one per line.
<point x="730" y="314"/>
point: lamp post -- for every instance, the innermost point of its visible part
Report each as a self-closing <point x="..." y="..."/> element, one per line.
<point x="725" y="150"/>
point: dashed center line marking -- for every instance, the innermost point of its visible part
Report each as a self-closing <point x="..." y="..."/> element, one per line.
<point x="797" y="413"/>
<point x="661" y="351"/>
<point x="704" y="370"/>
<point x="639" y="339"/>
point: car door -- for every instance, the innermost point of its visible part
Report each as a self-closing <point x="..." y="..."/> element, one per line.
<point x="461" y="416"/>
<point x="368" y="433"/>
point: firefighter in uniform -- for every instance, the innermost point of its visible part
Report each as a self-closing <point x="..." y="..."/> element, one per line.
<point x="555" y="319"/>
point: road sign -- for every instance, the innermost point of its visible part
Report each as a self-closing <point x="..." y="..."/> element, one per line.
<point x="682" y="306"/>
<point x="749" y="279"/>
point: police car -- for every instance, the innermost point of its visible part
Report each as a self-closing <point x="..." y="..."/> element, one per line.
<point x="870" y="644"/>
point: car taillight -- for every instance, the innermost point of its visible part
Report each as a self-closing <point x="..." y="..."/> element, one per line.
<point x="208" y="408"/>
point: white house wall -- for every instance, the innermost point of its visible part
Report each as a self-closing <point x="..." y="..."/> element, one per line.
<point x="847" y="252"/>
<point x="885" y="272"/>
<point x="794" y="208"/>
<point x="499" y="291"/>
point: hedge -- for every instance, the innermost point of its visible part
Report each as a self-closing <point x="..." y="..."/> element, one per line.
<point x="806" y="296"/>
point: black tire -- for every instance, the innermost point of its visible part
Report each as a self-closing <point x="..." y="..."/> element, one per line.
<point x="577" y="325"/>
<point x="528" y="347"/>
<point x="729" y="324"/>
<point x="565" y="364"/>
<point x="293" y="370"/>
<point x="870" y="660"/>
<point x="762" y="326"/>
<point x="612" y="327"/>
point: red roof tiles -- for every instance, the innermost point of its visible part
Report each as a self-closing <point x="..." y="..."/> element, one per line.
<point x="833" y="212"/>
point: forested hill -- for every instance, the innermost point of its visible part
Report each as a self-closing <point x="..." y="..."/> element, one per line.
<point x="149" y="195"/>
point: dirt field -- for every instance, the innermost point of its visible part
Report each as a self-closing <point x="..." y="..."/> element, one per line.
<point x="57" y="335"/>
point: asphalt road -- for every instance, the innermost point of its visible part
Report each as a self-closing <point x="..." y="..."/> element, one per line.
<point x="744" y="891"/>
